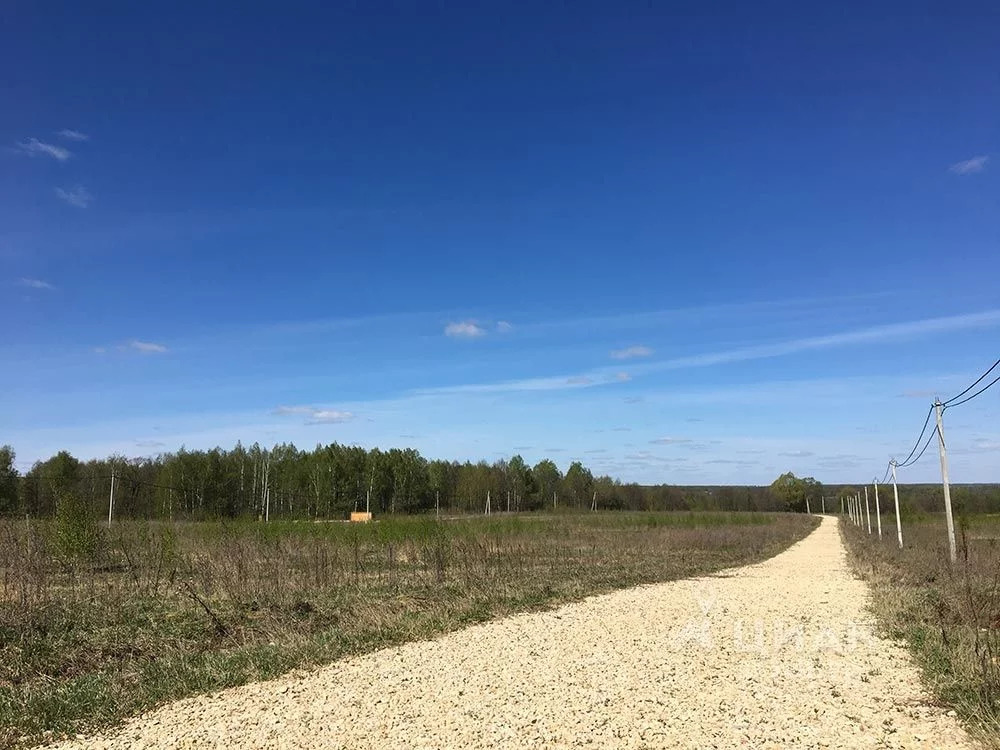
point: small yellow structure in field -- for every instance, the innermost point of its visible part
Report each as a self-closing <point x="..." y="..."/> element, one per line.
<point x="361" y="517"/>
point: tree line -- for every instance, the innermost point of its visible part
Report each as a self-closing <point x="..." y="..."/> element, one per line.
<point x="332" y="480"/>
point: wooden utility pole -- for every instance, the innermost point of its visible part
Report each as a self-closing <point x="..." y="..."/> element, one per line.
<point x="868" y="510"/>
<point x="111" y="502"/>
<point x="944" y="480"/>
<point x="895" y="495"/>
<point x="878" y="511"/>
<point x="437" y="503"/>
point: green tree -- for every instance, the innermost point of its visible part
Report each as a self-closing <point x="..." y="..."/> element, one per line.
<point x="8" y="481"/>
<point x="547" y="477"/>
<point x="793" y="492"/>
<point x="579" y="483"/>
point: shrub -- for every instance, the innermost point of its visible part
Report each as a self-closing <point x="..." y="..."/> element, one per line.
<point x="77" y="537"/>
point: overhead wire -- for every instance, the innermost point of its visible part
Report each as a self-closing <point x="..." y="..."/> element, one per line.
<point x="930" y="410"/>
<point x="974" y="384"/>
<point x="922" y="450"/>
<point x="977" y="393"/>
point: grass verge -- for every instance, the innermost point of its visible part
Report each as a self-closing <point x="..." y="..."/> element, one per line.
<point x="154" y="612"/>
<point x="948" y="614"/>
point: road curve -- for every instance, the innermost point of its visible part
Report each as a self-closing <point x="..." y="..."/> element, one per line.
<point x="778" y="654"/>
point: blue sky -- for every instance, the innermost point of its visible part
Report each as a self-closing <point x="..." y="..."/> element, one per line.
<point x="683" y="244"/>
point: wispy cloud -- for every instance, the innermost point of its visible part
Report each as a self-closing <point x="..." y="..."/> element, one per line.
<point x="917" y="394"/>
<point x="464" y="329"/>
<point x="631" y="352"/>
<point x="144" y="347"/>
<point x="798" y="454"/>
<point x="504" y="327"/>
<point x="315" y="415"/>
<point x="607" y="376"/>
<point x="284" y="411"/>
<point x="34" y="284"/>
<point x="149" y="444"/>
<point x="622" y="377"/>
<point x="330" y="416"/>
<point x="970" y="166"/>
<point x="873" y="335"/>
<point x="77" y="196"/>
<point x="670" y="441"/>
<point x="73" y="135"/>
<point x="35" y="147"/>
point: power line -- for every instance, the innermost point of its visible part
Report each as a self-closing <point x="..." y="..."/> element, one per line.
<point x="885" y="476"/>
<point x="929" y="438"/>
<point x="980" y="391"/>
<point x="977" y="382"/>
<point x="930" y="411"/>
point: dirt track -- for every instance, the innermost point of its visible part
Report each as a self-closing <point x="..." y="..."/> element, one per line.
<point x="778" y="654"/>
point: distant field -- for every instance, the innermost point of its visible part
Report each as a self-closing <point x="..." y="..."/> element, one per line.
<point x="948" y="614"/>
<point x="100" y="629"/>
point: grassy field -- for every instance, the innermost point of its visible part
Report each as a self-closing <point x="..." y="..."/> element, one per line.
<point x="108" y="626"/>
<point x="948" y="614"/>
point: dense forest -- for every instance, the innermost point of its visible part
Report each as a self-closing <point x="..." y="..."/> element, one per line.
<point x="333" y="480"/>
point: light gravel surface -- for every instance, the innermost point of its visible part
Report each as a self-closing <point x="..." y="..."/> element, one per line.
<point x="778" y="654"/>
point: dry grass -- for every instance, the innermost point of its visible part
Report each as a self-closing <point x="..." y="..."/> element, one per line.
<point x="158" y="611"/>
<point x="948" y="614"/>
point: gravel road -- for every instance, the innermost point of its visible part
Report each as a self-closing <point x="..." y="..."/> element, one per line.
<point x="779" y="654"/>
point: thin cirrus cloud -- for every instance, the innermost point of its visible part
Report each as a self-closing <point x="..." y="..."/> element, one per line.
<point x="315" y="415"/>
<point x="631" y="352"/>
<point x="73" y="135"/>
<point x="464" y="329"/>
<point x="873" y="335"/>
<point x="34" y="284"/>
<point x="144" y="347"/>
<point x="970" y="166"/>
<point x="76" y="196"/>
<point x="35" y="147"/>
<point x="670" y="441"/>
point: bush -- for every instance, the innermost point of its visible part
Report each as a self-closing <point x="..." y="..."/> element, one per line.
<point x="76" y="537"/>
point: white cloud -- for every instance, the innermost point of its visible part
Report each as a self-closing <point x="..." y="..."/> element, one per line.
<point x="73" y="135"/>
<point x="330" y="416"/>
<point x="798" y="454"/>
<point x="34" y="284"/>
<point x="315" y="414"/>
<point x="77" y="196"/>
<point x="149" y="444"/>
<point x="622" y="377"/>
<point x="145" y="347"/>
<point x="670" y="441"/>
<point x="631" y="352"/>
<point x="873" y="335"/>
<point x="579" y="380"/>
<point x="465" y="329"/>
<point x="35" y="147"/>
<point x="970" y="166"/>
<point x="504" y="327"/>
<point x="289" y="410"/>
